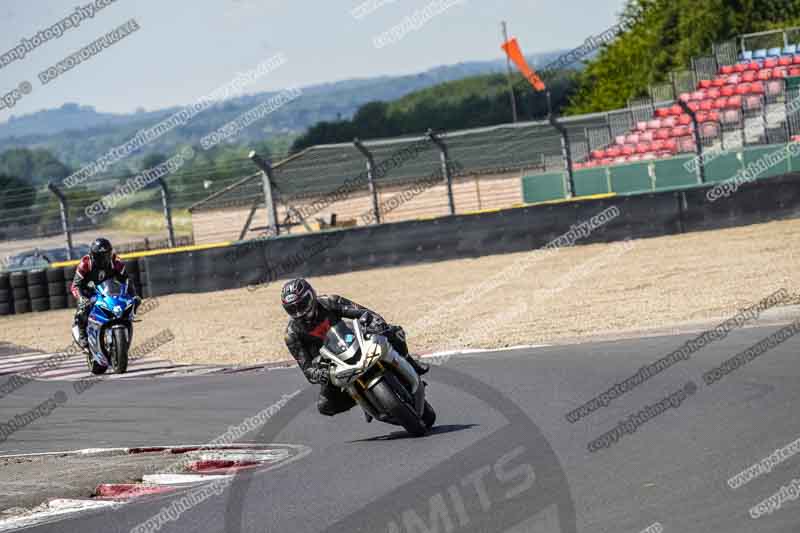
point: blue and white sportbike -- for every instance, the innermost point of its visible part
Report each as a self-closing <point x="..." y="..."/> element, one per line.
<point x="110" y="327"/>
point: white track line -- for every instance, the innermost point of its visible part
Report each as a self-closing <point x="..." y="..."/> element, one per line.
<point x="56" y="509"/>
<point x="181" y="479"/>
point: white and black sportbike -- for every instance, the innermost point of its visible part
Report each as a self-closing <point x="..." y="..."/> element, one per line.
<point x="379" y="379"/>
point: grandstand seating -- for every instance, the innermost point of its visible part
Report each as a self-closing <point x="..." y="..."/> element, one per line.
<point x="717" y="102"/>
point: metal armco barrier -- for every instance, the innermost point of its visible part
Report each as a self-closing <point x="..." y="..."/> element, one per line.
<point x="256" y="263"/>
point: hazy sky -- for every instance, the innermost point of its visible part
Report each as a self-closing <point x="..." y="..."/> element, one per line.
<point x="185" y="49"/>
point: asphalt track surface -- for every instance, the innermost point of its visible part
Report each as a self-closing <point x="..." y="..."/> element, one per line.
<point x="503" y="457"/>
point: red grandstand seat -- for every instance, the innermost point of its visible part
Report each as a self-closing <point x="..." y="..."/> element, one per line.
<point x="654" y="124"/>
<point x="669" y="122"/>
<point x="754" y="65"/>
<point x="733" y="80"/>
<point x="780" y="72"/>
<point x="728" y="90"/>
<point x="647" y="136"/>
<point x="734" y="101"/>
<point x="743" y="88"/>
<point x="740" y="67"/>
<point x="620" y="139"/>
<point x="712" y="93"/>
<point x="578" y="166"/>
<point x="757" y="87"/>
<point x="686" y="144"/>
<point x="606" y="161"/>
<point x="662" y="112"/>
<point x="684" y="120"/>
<point x="657" y="146"/>
<point x="719" y="82"/>
<point x="771" y="62"/>
<point x="613" y="152"/>
<point x="752" y="101"/>
<point x="671" y="145"/>
<point x="641" y="125"/>
<point x="628" y="149"/>
<point x="794" y="71"/>
<point x="709" y="130"/>
<point x="694" y="106"/>
<point x="795" y="138"/>
<point x="675" y="110"/>
<point x="698" y="95"/>
<point x="590" y="164"/>
<point x="702" y="116"/>
<point x="598" y="154"/>
<point x="704" y="84"/>
<point x="706" y="105"/>
<point x="765" y="75"/>
<point x="642" y="148"/>
<point x="685" y="97"/>
<point x="679" y="131"/>
<point x="730" y="116"/>
<point x="726" y="69"/>
<point x="713" y="116"/>
<point x="719" y="103"/>
<point x="663" y="133"/>
<point x="774" y="87"/>
<point x="785" y="61"/>
<point x="749" y="76"/>
<point x="632" y="138"/>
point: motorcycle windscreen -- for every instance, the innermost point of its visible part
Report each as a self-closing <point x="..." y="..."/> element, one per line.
<point x="112" y="287"/>
<point x="341" y="341"/>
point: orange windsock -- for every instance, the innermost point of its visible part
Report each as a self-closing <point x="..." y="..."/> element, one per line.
<point x="511" y="48"/>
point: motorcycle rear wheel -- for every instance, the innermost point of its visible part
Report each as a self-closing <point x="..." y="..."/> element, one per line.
<point x="392" y="404"/>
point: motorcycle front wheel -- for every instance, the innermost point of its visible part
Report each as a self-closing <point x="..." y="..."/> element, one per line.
<point x="119" y="351"/>
<point x="390" y="401"/>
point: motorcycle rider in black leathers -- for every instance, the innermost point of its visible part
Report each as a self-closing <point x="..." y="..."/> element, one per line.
<point x="311" y="318"/>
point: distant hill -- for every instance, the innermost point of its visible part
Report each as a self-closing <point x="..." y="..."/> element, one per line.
<point x="77" y="134"/>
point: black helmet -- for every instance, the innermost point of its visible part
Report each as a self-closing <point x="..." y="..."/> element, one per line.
<point x="299" y="298"/>
<point x="101" y="253"/>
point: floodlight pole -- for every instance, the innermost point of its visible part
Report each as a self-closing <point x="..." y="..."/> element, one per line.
<point x="266" y="174"/>
<point x="62" y="202"/>
<point x="165" y="201"/>
<point x="701" y="167"/>
<point x="373" y="190"/>
<point x="566" y="153"/>
<point x="445" y="168"/>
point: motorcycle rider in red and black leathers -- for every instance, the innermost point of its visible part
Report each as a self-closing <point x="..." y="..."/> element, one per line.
<point x="101" y="264"/>
<point x="311" y="318"/>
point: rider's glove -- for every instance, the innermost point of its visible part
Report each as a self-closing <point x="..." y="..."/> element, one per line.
<point x="137" y="301"/>
<point x="372" y="322"/>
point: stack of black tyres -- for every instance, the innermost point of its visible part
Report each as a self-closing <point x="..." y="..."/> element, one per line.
<point x="69" y="275"/>
<point x="6" y="303"/>
<point x="56" y="288"/>
<point x="38" y="290"/>
<point x="19" y="292"/>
